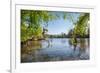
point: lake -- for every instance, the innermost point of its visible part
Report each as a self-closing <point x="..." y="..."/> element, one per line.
<point x="55" y="49"/>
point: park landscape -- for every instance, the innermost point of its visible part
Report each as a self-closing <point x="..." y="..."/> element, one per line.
<point x="54" y="36"/>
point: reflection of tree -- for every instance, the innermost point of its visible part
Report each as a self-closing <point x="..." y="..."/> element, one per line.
<point x="81" y="49"/>
<point x="49" y="43"/>
<point x="30" y="46"/>
<point x="82" y="46"/>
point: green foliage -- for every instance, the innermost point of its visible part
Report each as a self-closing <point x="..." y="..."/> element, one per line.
<point x="23" y="31"/>
<point x="81" y="28"/>
<point x="31" y="23"/>
<point x="82" y="25"/>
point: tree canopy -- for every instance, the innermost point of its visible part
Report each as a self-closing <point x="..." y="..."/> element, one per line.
<point x="33" y="23"/>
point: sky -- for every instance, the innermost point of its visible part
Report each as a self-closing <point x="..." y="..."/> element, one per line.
<point x="62" y="25"/>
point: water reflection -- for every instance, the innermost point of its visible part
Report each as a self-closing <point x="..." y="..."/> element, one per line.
<point x="54" y="50"/>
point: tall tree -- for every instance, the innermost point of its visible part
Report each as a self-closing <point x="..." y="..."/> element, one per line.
<point x="31" y="21"/>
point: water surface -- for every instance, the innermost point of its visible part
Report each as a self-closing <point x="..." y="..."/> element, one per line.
<point x="55" y="49"/>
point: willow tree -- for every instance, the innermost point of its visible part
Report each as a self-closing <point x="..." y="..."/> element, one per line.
<point x="82" y="26"/>
<point x="31" y="21"/>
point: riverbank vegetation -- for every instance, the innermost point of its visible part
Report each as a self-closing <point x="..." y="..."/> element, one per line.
<point x="81" y="29"/>
<point x="31" y="21"/>
<point x="34" y="25"/>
